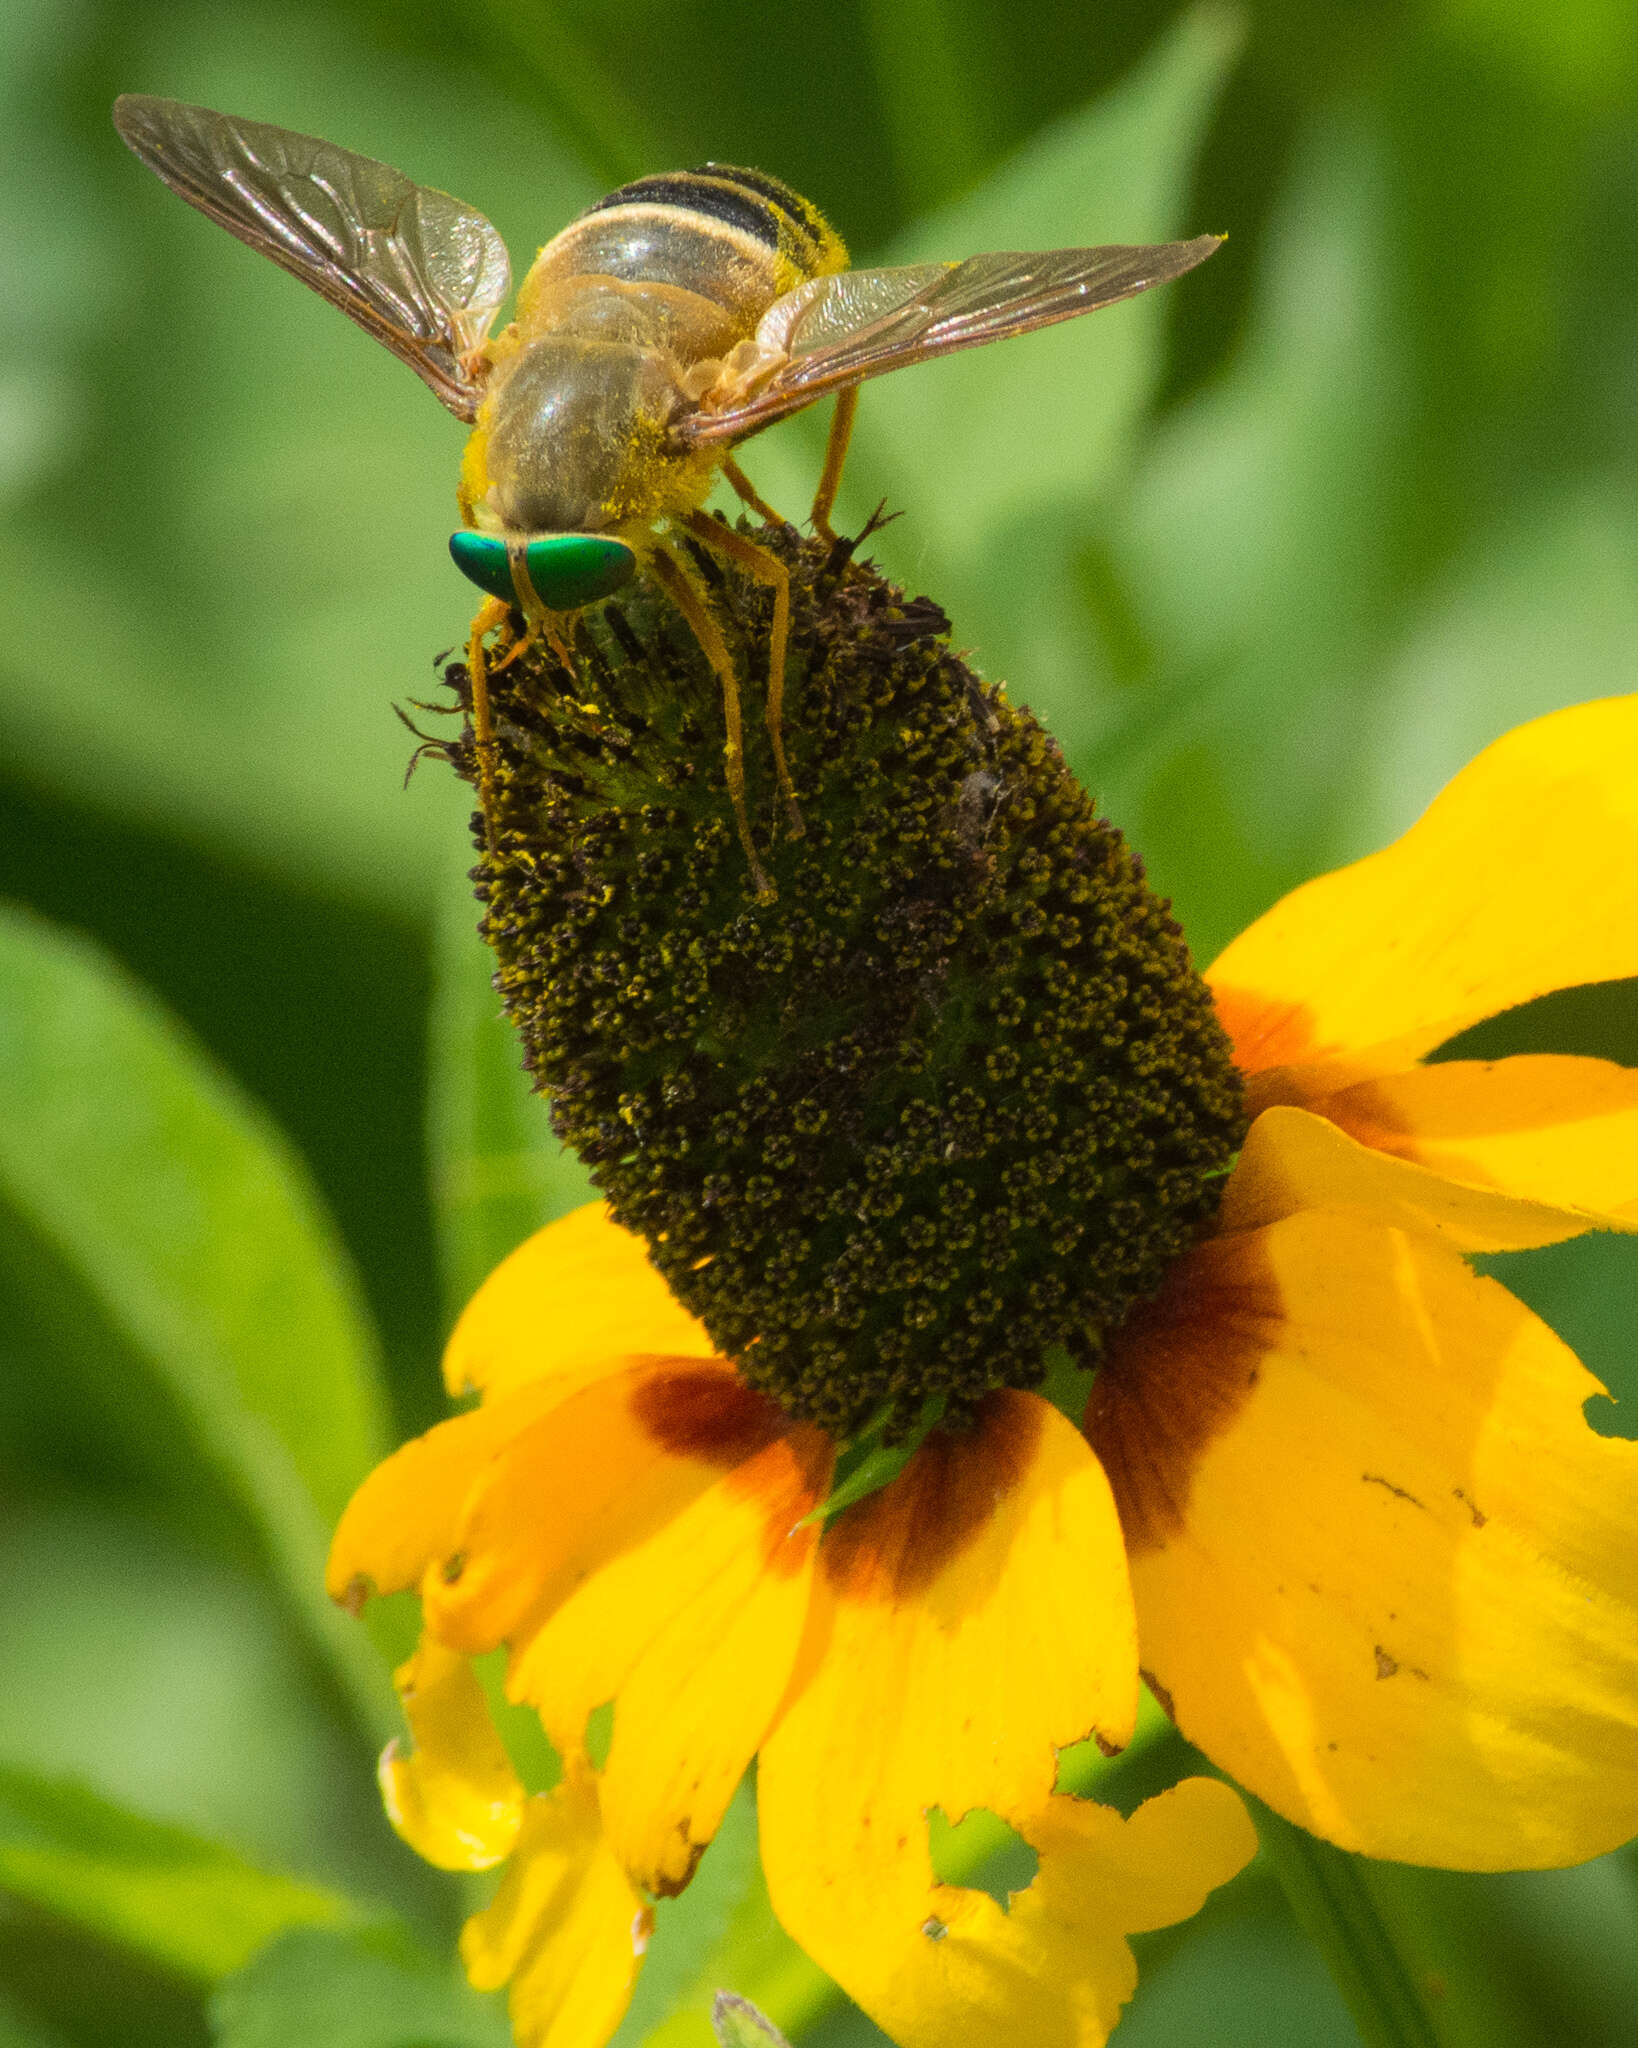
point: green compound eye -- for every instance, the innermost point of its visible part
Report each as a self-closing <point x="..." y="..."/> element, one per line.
<point x="567" y="569"/>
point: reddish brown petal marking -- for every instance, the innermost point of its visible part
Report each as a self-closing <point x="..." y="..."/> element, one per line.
<point x="1366" y="1113"/>
<point x="1264" y="1033"/>
<point x="788" y="1480"/>
<point x="895" y="1544"/>
<point x="1176" y="1375"/>
<point x="1277" y="1050"/>
<point x="704" y="1412"/>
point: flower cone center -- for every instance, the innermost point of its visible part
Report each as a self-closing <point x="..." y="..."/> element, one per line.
<point x="953" y="1096"/>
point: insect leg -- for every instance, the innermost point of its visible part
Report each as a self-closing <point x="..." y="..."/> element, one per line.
<point x="678" y="583"/>
<point x="830" y="477"/>
<point x="535" y="615"/>
<point x="748" y="493"/>
<point x="766" y="568"/>
<point x="494" y="613"/>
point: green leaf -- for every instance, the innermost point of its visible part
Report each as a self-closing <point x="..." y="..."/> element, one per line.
<point x="584" y="93"/>
<point x="174" y="1898"/>
<point x="930" y="81"/>
<point x="1539" y="611"/>
<point x="184" y="1226"/>
<point x="978" y="439"/>
<point x="16" y="2031"/>
<point x="498" y="1171"/>
<point x="362" y="1988"/>
<point x="998" y="456"/>
<point x="261" y="569"/>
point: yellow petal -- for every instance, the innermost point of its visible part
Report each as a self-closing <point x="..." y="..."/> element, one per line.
<point x="577" y="1295"/>
<point x="1519" y="878"/>
<point x="405" y="1515"/>
<point x="934" y="1964"/>
<point x="455" y="1797"/>
<point x="691" y="1629"/>
<point x="1294" y="1160"/>
<point x="1054" y="1969"/>
<point x="1544" y="1127"/>
<point x="969" y="1621"/>
<point x="642" y="1544"/>
<point x="565" y="1930"/>
<point x="1386" y="1574"/>
<point x="596" y="1474"/>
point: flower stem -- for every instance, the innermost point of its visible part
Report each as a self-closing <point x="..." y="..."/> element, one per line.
<point x="1330" y="1891"/>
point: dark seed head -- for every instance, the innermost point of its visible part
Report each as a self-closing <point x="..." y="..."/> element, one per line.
<point x="954" y="1096"/>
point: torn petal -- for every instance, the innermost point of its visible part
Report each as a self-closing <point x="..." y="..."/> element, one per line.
<point x="935" y="1963"/>
<point x="1384" y="1569"/>
<point x="969" y="1621"/>
<point x="454" y="1797"/>
<point x="403" y="1519"/>
<point x="566" y="1930"/>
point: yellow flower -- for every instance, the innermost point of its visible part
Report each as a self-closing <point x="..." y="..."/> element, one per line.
<point x="1336" y="1495"/>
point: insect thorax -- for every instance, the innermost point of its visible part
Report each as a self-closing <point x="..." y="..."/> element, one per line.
<point x="575" y="433"/>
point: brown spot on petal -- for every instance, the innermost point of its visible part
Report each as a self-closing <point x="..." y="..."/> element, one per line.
<point x="665" y="1886"/>
<point x="788" y="1481"/>
<point x="1162" y="1695"/>
<point x="1279" y="1052"/>
<point x="1367" y="1113"/>
<point x="1398" y="1492"/>
<point x="705" y="1412"/>
<point x="1177" y="1373"/>
<point x="1263" y="1032"/>
<point x="893" y="1545"/>
<point x="1386" y="1666"/>
<point x="358" y="1589"/>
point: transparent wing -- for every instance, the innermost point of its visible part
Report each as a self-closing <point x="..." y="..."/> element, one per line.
<point x="862" y="323"/>
<point x="418" y="270"/>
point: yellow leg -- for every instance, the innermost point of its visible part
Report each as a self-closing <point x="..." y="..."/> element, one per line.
<point x="535" y="615"/>
<point x="748" y="493"/>
<point x="769" y="569"/>
<point x="830" y="478"/>
<point x="494" y="613"/>
<point x="678" y="584"/>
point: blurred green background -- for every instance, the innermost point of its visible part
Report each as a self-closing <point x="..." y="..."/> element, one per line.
<point x="1273" y="551"/>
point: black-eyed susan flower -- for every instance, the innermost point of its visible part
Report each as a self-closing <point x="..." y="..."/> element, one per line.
<point x="947" y="1119"/>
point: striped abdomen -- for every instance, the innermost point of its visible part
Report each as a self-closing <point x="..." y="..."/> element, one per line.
<point x="735" y="235"/>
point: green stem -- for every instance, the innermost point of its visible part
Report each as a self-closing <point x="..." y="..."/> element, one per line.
<point x="1330" y="1892"/>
